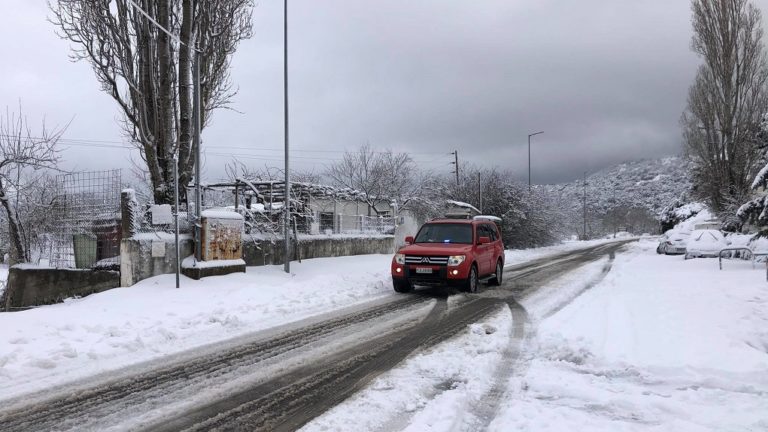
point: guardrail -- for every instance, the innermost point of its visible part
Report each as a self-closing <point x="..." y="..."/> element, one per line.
<point x="751" y="252"/>
<point x="737" y="249"/>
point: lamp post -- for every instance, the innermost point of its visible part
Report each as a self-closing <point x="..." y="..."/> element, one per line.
<point x="584" y="232"/>
<point x="287" y="195"/>
<point x="529" y="158"/>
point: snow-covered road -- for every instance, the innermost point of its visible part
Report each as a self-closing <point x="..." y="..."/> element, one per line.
<point x="643" y="343"/>
<point x="342" y="353"/>
<point x="589" y="340"/>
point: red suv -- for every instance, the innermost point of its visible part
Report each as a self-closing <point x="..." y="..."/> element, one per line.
<point x="450" y="252"/>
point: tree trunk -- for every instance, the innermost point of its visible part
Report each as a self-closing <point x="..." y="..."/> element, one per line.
<point x="17" y="253"/>
<point x="185" y="95"/>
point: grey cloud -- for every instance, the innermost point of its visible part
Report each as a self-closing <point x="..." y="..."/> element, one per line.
<point x="605" y="80"/>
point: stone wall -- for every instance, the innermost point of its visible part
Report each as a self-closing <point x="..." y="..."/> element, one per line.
<point x="137" y="261"/>
<point x="33" y="286"/>
<point x="146" y="255"/>
<point x="265" y="252"/>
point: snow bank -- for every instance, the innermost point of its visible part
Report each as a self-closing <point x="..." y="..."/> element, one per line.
<point x="681" y="347"/>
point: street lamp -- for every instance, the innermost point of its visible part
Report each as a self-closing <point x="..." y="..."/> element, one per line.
<point x="529" y="158"/>
<point x="287" y="203"/>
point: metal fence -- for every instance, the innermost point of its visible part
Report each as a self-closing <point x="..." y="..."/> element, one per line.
<point x="361" y="224"/>
<point x="87" y="207"/>
<point x="264" y="218"/>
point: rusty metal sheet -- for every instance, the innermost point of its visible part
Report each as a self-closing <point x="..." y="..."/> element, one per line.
<point x="222" y="239"/>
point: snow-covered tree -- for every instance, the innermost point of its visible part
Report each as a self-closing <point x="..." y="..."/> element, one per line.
<point x="382" y="175"/>
<point x="755" y="211"/>
<point x="529" y="218"/>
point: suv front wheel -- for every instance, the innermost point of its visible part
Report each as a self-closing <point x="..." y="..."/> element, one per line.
<point x="470" y="284"/>
<point x="496" y="279"/>
<point x="402" y="285"/>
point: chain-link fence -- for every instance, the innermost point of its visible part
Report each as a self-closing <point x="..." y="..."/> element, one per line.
<point x="87" y="207"/>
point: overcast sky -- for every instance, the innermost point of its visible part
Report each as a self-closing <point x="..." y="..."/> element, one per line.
<point x="606" y="81"/>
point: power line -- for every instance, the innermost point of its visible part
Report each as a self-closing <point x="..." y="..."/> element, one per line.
<point x="80" y="142"/>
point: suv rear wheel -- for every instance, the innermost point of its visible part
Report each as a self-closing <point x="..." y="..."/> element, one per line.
<point x="402" y="285"/>
<point x="470" y="285"/>
<point x="496" y="279"/>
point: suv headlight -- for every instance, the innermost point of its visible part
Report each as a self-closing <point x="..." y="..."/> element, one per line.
<point x="400" y="258"/>
<point x="455" y="260"/>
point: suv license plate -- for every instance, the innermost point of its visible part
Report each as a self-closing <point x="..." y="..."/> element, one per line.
<point x="423" y="270"/>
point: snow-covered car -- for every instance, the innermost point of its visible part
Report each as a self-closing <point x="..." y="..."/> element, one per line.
<point x="673" y="243"/>
<point x="759" y="247"/>
<point x="705" y="243"/>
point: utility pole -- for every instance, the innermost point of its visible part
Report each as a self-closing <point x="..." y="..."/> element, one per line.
<point x="585" y="207"/>
<point x="479" y="194"/>
<point x="456" y="163"/>
<point x="176" y="216"/>
<point x="197" y="113"/>
<point x="287" y="195"/>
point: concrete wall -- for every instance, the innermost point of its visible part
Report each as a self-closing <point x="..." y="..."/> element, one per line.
<point x="138" y="263"/>
<point x="258" y="253"/>
<point x="146" y="255"/>
<point x="30" y="286"/>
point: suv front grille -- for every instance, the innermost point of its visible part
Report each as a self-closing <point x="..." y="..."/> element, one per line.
<point x="431" y="260"/>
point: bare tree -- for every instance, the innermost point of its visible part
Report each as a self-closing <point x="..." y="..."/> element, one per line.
<point x="726" y="100"/>
<point x="149" y="73"/>
<point x="22" y="153"/>
<point x="237" y="169"/>
<point x="383" y="176"/>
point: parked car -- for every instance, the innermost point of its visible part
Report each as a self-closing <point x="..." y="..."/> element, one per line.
<point x="673" y="243"/>
<point x="451" y="252"/>
<point x="705" y="243"/>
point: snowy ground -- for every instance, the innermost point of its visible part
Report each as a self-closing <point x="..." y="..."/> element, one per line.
<point x="681" y="348"/>
<point x="658" y="343"/>
<point x="53" y="344"/>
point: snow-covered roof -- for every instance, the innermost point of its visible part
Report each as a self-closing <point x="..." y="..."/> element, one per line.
<point x="487" y="217"/>
<point x="221" y="214"/>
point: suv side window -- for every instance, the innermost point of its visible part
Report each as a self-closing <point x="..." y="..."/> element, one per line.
<point x="494" y="231"/>
<point x="491" y="232"/>
<point x="482" y="231"/>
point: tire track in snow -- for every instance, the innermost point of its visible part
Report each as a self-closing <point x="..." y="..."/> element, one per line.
<point x="76" y="410"/>
<point x="287" y="403"/>
<point x="485" y="408"/>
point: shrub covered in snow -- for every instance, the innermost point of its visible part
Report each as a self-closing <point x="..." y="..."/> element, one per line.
<point x="679" y="212"/>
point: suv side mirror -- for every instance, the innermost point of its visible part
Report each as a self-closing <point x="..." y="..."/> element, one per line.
<point x="409" y="240"/>
<point x="484" y="240"/>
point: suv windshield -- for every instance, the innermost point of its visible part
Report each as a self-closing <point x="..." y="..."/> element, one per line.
<point x="445" y="233"/>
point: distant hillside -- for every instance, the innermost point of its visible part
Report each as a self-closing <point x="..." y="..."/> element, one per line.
<point x="651" y="184"/>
